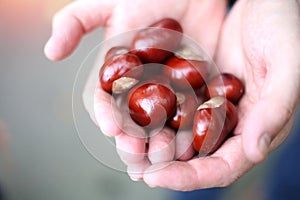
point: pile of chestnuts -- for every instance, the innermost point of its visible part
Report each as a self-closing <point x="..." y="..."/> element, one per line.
<point x="164" y="83"/>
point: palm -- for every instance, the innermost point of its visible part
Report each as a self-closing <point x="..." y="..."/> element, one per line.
<point x="259" y="43"/>
<point x="256" y="45"/>
<point x="192" y="15"/>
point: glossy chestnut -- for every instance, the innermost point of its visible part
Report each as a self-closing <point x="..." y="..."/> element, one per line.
<point x="114" y="68"/>
<point x="115" y="51"/>
<point x="213" y="121"/>
<point x="151" y="104"/>
<point x="187" y="73"/>
<point x="225" y="85"/>
<point x="156" y="43"/>
<point x="186" y="107"/>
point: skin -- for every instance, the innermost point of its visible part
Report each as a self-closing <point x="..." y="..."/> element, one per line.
<point x="266" y="45"/>
<point x="258" y="42"/>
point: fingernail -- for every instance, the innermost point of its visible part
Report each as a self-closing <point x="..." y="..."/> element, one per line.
<point x="135" y="179"/>
<point x="264" y="144"/>
<point x="152" y="186"/>
<point x="49" y="49"/>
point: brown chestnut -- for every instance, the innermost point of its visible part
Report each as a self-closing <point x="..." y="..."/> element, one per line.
<point x="183" y="116"/>
<point x="156" y="43"/>
<point x="114" y="68"/>
<point x="186" y="73"/>
<point x="115" y="51"/>
<point x="213" y="121"/>
<point x="225" y="85"/>
<point x="151" y="104"/>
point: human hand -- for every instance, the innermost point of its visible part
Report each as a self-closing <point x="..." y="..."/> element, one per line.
<point x="81" y="17"/>
<point x="260" y="44"/>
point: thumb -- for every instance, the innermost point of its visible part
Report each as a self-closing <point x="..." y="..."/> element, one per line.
<point x="269" y="116"/>
<point x="262" y="125"/>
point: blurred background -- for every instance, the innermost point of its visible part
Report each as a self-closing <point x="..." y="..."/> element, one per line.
<point x="41" y="155"/>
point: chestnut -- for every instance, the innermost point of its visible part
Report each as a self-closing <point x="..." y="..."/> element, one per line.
<point x="156" y="43"/>
<point x="213" y="121"/>
<point x="151" y="104"/>
<point x="186" y="73"/>
<point x="183" y="116"/>
<point x="115" y="67"/>
<point x="225" y="85"/>
<point x="115" y="51"/>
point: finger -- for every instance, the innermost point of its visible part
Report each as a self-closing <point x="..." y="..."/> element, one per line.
<point x="106" y="114"/>
<point x="261" y="126"/>
<point x="88" y="94"/>
<point x="273" y="110"/>
<point x="217" y="170"/>
<point x="72" y="22"/>
<point x="282" y="135"/>
<point x="93" y="80"/>
<point x="131" y="149"/>
<point x="162" y="146"/>
<point x="215" y="11"/>
<point x="184" y="145"/>
<point x="136" y="170"/>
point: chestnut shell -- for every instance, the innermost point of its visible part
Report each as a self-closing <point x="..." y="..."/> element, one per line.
<point x="155" y="44"/>
<point x="212" y="124"/>
<point x="151" y="104"/>
<point x="114" y="68"/>
<point x="226" y="85"/>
